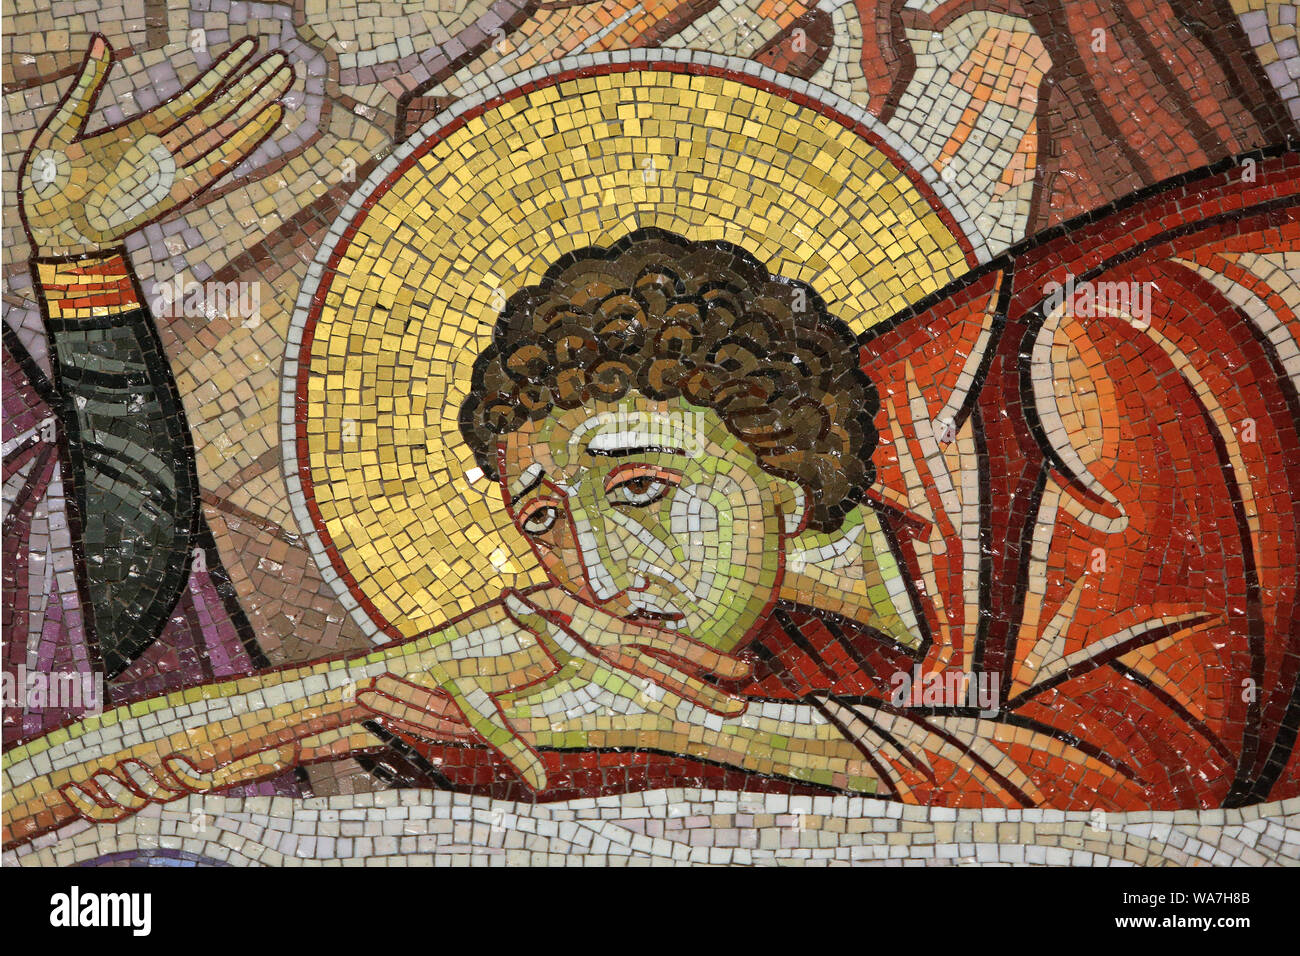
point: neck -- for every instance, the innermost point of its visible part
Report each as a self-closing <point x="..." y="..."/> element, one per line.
<point x="851" y="571"/>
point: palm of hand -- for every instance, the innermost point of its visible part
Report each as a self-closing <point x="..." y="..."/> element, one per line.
<point x="81" y="194"/>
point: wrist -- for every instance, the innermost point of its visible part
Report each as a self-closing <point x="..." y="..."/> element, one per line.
<point x="96" y="285"/>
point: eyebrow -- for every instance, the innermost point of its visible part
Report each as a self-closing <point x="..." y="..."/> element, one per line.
<point x="610" y="434"/>
<point x="624" y="451"/>
<point x="526" y="482"/>
<point x="623" y="443"/>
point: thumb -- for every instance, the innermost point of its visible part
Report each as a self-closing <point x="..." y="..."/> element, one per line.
<point x="69" y="120"/>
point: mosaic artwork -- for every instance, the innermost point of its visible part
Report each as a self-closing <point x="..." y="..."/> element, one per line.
<point x="717" y="431"/>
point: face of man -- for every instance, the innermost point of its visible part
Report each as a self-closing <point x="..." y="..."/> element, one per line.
<point x="653" y="511"/>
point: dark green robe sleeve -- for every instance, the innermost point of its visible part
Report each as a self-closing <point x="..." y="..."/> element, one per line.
<point x="131" y="463"/>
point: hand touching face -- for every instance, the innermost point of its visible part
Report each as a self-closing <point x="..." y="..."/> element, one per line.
<point x="654" y="512"/>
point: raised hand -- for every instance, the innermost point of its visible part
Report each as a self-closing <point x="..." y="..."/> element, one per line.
<point x="82" y="194"/>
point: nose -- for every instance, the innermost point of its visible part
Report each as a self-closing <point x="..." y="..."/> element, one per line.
<point x="604" y="551"/>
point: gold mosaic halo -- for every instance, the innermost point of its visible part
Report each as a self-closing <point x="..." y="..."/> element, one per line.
<point x="409" y="282"/>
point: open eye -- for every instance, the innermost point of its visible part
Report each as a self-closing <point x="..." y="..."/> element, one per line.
<point x="539" y="519"/>
<point x="639" y="485"/>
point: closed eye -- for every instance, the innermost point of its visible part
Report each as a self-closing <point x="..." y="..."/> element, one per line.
<point x="639" y="485"/>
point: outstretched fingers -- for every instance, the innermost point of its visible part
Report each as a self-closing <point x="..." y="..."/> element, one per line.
<point x="263" y="84"/>
<point x="164" y="118"/>
<point x="103" y="797"/>
<point x="114" y="794"/>
<point x="225" y="156"/>
<point x="258" y="766"/>
<point x="93" y="804"/>
<point x="635" y="660"/>
<point x="404" y="705"/>
<point x="701" y="656"/>
<point x="145" y="782"/>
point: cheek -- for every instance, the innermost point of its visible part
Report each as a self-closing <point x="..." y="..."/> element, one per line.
<point x="722" y="524"/>
<point x="559" y="556"/>
<point x="693" y="520"/>
<point x="556" y="568"/>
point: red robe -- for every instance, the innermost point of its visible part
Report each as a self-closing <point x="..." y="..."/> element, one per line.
<point x="1101" y="510"/>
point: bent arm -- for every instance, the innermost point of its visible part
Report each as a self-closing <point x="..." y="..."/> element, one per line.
<point x="127" y="449"/>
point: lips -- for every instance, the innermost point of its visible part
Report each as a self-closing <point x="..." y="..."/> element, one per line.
<point x="648" y="602"/>
<point x="658" y="617"/>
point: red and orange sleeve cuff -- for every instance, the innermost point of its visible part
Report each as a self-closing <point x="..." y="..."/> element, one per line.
<point x="87" y="288"/>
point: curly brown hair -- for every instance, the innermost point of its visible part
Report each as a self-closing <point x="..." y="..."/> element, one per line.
<point x="702" y="320"/>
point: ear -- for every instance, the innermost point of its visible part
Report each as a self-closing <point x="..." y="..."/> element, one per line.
<point x="792" y="501"/>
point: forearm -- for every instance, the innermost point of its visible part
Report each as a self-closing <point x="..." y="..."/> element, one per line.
<point x="581" y="714"/>
<point x="209" y="726"/>
<point x="298" y="713"/>
<point x="128" y="450"/>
